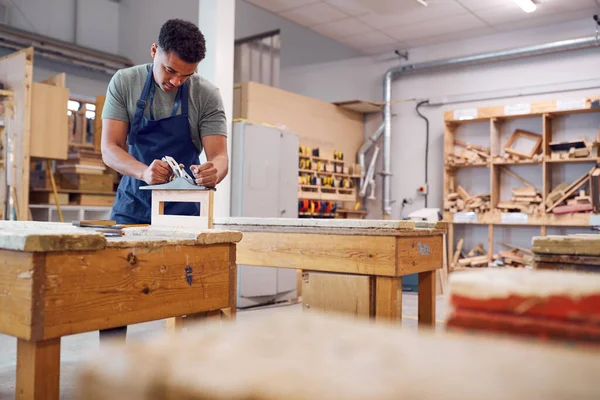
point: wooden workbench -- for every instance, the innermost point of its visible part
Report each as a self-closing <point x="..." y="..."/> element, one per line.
<point x="304" y="356"/>
<point x="58" y="280"/>
<point x="367" y="257"/>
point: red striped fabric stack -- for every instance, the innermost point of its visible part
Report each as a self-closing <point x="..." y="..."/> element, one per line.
<point x="546" y="304"/>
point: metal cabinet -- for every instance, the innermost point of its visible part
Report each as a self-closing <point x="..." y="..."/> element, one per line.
<point x="264" y="183"/>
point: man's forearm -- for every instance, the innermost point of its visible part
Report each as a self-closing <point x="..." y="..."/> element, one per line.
<point x="221" y="163"/>
<point x="123" y="162"/>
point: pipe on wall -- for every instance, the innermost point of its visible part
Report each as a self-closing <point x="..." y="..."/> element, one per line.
<point x="363" y="150"/>
<point x="503" y="55"/>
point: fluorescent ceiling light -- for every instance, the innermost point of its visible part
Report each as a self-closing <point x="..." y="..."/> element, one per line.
<point x="526" y="5"/>
<point x="422" y="2"/>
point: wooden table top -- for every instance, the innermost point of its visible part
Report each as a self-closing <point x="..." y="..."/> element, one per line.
<point x="40" y="236"/>
<point x="332" y="226"/>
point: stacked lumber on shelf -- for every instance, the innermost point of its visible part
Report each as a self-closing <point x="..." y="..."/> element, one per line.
<point x="567" y="199"/>
<point x="460" y="201"/>
<point x="526" y="199"/>
<point x="544" y="304"/>
<point x="476" y="257"/>
<point x="470" y="154"/>
<point x="580" y="252"/>
<point x="513" y="257"/>
<point x="565" y="150"/>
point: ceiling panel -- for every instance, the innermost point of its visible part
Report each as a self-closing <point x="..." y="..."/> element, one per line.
<point x="281" y="5"/>
<point x="435" y="9"/>
<point x="344" y="27"/>
<point x="547" y="19"/>
<point x="436" y="27"/>
<point x="314" y="14"/>
<point x="448" y="37"/>
<point x="368" y="39"/>
<point x="350" y="7"/>
<point x="477" y="5"/>
<point x="379" y="26"/>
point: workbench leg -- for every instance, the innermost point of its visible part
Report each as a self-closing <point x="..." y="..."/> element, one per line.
<point x="388" y="299"/>
<point x="426" y="298"/>
<point x="38" y="370"/>
<point x="174" y="324"/>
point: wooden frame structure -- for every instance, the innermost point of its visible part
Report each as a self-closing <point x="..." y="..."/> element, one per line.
<point x="60" y="280"/>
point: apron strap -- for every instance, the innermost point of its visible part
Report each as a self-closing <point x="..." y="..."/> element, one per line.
<point x="175" y="106"/>
<point x="140" y="106"/>
<point x="184" y="98"/>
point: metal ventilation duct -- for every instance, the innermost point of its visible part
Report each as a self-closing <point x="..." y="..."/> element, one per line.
<point x="61" y="51"/>
<point x="392" y="73"/>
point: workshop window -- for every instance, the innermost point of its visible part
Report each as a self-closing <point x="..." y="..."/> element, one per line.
<point x="256" y="59"/>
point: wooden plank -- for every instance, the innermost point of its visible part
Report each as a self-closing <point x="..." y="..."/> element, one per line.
<point x="584" y="245"/>
<point x="59" y="80"/>
<point x="360" y="106"/>
<point x="342" y="225"/>
<point x="87" y="182"/>
<point x="38" y="370"/>
<point x="18" y="292"/>
<point x="87" y="291"/>
<point x="361" y="255"/>
<point x="388" y="300"/>
<point x="317" y="123"/>
<point x="419" y="254"/>
<point x="198" y="236"/>
<point x="96" y="199"/>
<point x="426" y="300"/>
<point x="49" y="121"/>
<point x="16" y="72"/>
<point x="98" y="123"/>
<point x="39" y="236"/>
<point x="567" y="259"/>
<point x="337" y="293"/>
<point x="326" y="358"/>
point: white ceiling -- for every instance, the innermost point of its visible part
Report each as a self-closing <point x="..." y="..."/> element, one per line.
<point x="379" y="26"/>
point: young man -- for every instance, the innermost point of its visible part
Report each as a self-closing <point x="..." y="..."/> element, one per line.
<point x="163" y="109"/>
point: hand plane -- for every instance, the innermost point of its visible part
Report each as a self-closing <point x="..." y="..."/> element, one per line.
<point x="181" y="180"/>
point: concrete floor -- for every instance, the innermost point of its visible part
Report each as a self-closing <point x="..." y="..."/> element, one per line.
<point x="72" y="347"/>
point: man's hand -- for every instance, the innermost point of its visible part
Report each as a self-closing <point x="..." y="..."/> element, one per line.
<point x="205" y="174"/>
<point x="157" y="172"/>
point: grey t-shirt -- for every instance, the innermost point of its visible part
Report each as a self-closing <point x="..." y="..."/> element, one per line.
<point x="205" y="107"/>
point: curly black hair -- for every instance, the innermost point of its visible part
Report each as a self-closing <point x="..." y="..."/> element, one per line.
<point x="184" y="39"/>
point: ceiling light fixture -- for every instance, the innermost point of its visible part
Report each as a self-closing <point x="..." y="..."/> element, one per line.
<point x="526" y="5"/>
<point x="422" y="2"/>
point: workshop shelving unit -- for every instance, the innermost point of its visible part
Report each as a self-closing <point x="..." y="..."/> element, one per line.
<point x="320" y="168"/>
<point x="493" y="127"/>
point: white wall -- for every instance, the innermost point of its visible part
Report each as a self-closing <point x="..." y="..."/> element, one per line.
<point x="361" y="78"/>
<point x="140" y="22"/>
<point x="299" y="45"/>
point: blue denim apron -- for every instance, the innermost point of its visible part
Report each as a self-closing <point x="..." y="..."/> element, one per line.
<point x="150" y="140"/>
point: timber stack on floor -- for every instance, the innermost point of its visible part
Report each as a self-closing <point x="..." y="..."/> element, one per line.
<point x="570" y="253"/>
<point x="543" y="304"/>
